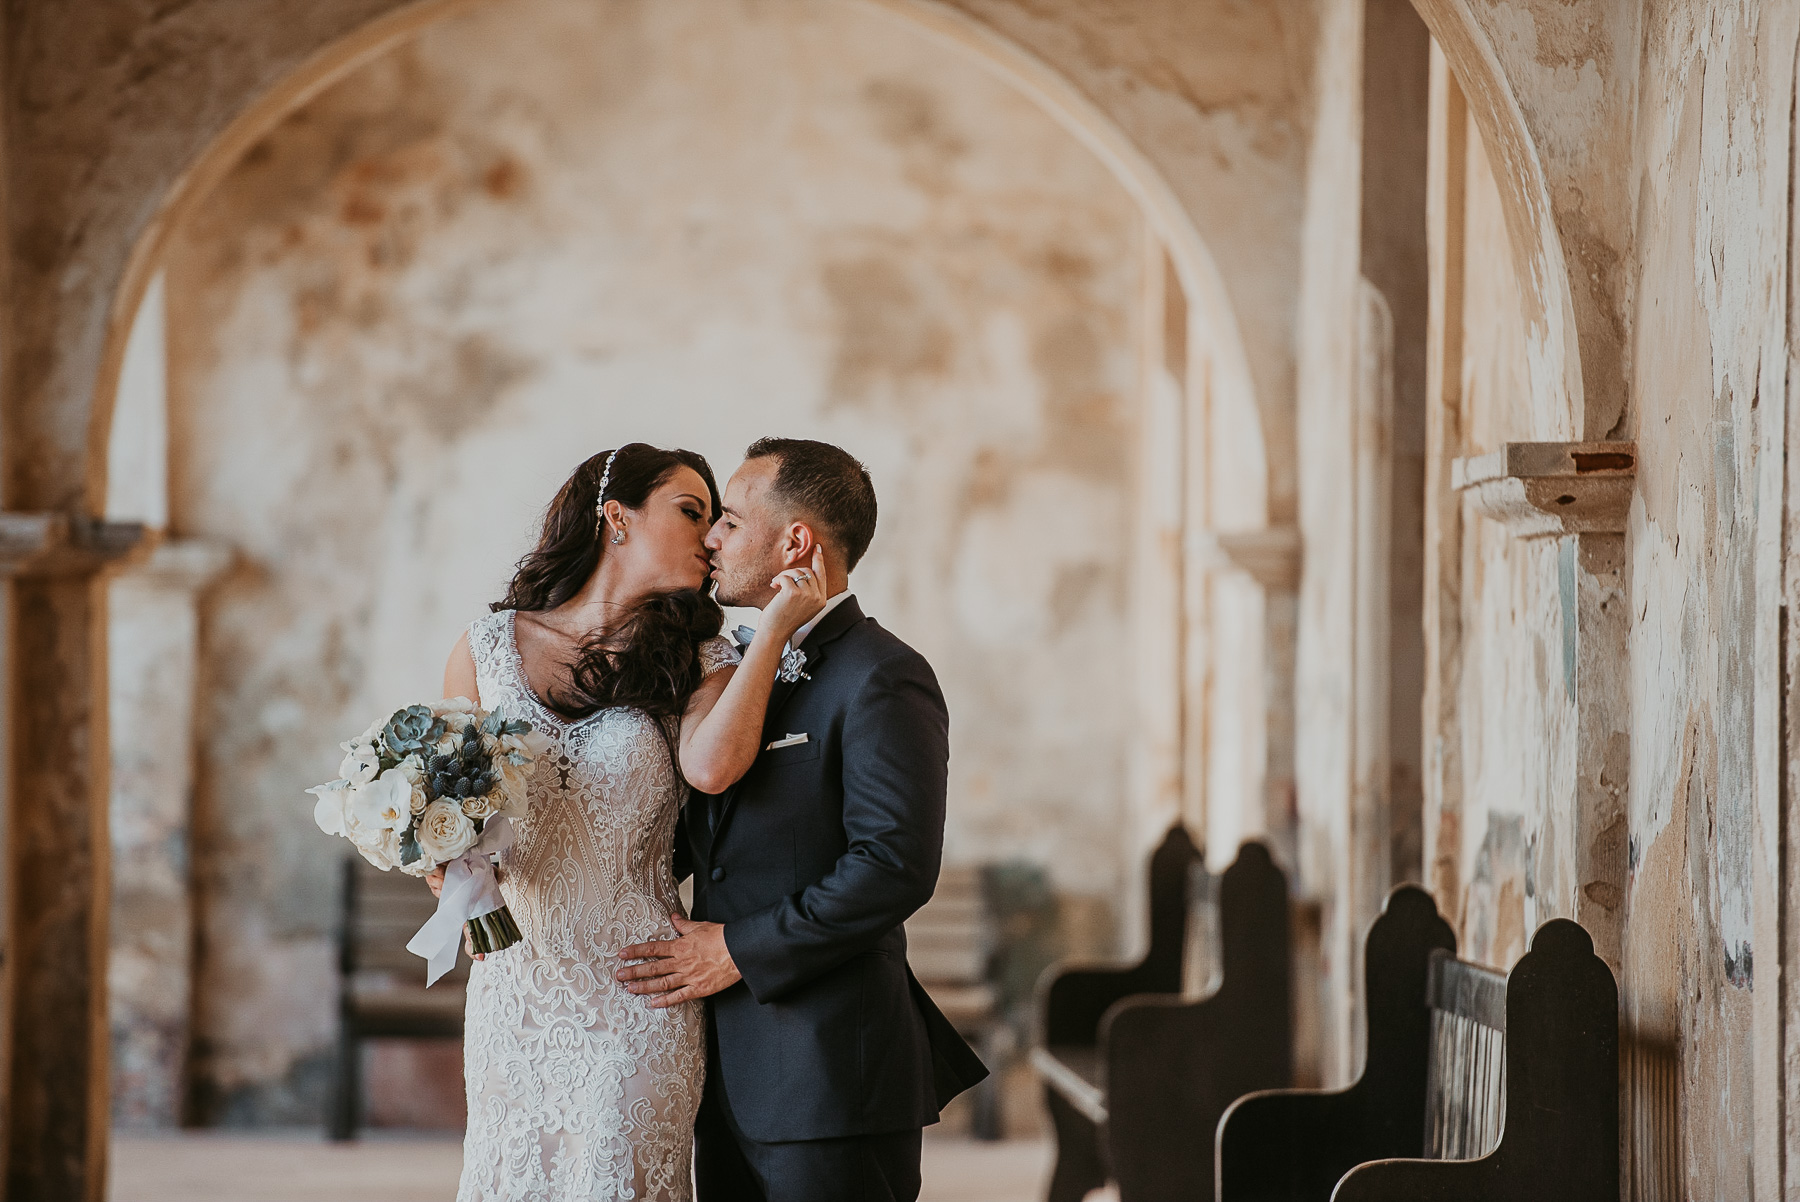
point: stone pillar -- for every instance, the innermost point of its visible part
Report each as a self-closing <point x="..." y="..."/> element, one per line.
<point x="55" y="1017"/>
<point x="153" y="647"/>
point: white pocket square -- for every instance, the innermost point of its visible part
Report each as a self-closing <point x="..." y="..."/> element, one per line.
<point x="790" y="741"/>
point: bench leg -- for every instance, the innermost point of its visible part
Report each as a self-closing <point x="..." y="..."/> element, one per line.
<point x="346" y="1086"/>
<point x="1078" y="1165"/>
<point x="987" y="1123"/>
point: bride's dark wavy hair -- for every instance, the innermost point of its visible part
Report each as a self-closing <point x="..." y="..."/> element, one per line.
<point x="651" y="660"/>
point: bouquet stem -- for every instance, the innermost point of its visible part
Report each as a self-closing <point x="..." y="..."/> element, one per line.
<point x="494" y="931"/>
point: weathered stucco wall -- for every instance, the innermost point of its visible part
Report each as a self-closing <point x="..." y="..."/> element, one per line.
<point x="1218" y="97"/>
<point x="549" y="227"/>
<point x="1516" y="682"/>
<point x="1708" y="360"/>
<point x="1681" y="311"/>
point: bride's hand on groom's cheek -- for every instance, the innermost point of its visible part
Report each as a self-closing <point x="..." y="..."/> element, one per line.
<point x="696" y="965"/>
<point x="800" y="593"/>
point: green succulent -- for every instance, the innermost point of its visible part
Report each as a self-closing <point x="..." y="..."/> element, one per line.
<point x="412" y="729"/>
<point x="496" y="725"/>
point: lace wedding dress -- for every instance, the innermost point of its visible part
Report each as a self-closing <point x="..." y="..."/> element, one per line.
<point x="577" y="1089"/>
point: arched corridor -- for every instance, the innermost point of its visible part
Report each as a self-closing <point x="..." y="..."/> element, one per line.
<point x="1355" y="425"/>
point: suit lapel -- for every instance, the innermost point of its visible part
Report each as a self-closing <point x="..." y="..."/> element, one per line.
<point x="817" y="645"/>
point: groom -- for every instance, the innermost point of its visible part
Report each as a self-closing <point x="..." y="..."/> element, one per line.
<point x="825" y="1057"/>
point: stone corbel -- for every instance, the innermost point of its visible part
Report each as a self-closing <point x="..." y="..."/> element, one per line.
<point x="55" y="544"/>
<point x="1542" y="489"/>
<point x="1271" y="556"/>
<point x="183" y="564"/>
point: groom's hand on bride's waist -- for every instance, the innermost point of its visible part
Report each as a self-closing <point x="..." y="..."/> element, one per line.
<point x="696" y="965"/>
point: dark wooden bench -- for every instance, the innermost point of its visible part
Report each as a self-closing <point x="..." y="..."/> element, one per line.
<point x="1476" y="1086"/>
<point x="1136" y="1076"/>
<point x="381" y="985"/>
<point x="949" y="943"/>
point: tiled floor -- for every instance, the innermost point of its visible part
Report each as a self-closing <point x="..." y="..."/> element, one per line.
<point x="300" y="1167"/>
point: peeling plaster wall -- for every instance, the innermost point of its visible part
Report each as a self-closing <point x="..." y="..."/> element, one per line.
<point x="1683" y="241"/>
<point x="1516" y="700"/>
<point x="1219" y="97"/>
<point x="1328" y="368"/>
<point x="1708" y="363"/>
<point x="551" y="226"/>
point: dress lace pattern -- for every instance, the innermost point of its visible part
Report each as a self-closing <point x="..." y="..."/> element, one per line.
<point x="579" y="1091"/>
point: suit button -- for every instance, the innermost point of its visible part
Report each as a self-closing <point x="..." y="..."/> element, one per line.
<point x="718" y="874"/>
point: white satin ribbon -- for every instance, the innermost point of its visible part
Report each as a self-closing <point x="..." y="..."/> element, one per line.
<point x="470" y="890"/>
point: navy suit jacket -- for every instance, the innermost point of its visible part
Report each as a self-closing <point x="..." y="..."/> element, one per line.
<point x="812" y="861"/>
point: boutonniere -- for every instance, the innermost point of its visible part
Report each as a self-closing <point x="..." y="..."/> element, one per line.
<point x="793" y="666"/>
<point x="793" y="660"/>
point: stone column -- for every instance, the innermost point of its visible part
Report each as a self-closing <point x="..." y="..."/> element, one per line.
<point x="55" y="999"/>
<point x="153" y="654"/>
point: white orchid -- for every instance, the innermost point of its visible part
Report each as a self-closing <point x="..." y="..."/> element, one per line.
<point x="362" y="764"/>
<point x="384" y="804"/>
<point x="328" y="811"/>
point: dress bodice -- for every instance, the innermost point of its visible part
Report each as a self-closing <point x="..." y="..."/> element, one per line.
<point x="590" y="870"/>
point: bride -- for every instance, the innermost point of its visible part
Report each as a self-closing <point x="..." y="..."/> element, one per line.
<point x="609" y="643"/>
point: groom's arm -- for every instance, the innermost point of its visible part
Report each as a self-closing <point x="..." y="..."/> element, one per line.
<point x="896" y="755"/>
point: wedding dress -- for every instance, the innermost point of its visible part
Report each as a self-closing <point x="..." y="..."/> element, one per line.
<point x="578" y="1090"/>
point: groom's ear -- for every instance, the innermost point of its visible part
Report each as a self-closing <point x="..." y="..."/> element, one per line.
<point x="797" y="544"/>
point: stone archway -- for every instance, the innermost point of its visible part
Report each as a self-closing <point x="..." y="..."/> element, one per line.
<point x="111" y="165"/>
<point x="1220" y="369"/>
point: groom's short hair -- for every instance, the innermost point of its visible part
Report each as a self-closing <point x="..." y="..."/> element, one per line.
<point x="825" y="485"/>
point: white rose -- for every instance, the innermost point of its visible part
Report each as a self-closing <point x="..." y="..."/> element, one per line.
<point x="384" y="804"/>
<point x="532" y="743"/>
<point x="452" y="705"/>
<point x="328" y="812"/>
<point x="362" y="764"/>
<point x="481" y="809"/>
<point x="413" y="769"/>
<point x="445" y="832"/>
<point x="514" y="788"/>
<point x="380" y="848"/>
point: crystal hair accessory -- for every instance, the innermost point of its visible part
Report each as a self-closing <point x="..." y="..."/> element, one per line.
<point x="600" y="497"/>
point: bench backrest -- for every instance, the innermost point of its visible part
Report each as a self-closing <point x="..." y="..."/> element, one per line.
<point x="1465" y="1084"/>
<point x="950" y="938"/>
<point x="1074" y="999"/>
<point x="381" y="911"/>
<point x="1558" y="1134"/>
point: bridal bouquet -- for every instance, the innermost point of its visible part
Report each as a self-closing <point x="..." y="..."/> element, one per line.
<point x="431" y="786"/>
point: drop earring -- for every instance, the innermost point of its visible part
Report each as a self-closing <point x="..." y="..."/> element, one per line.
<point x="618" y="537"/>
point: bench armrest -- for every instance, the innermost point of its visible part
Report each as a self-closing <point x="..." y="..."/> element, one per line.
<point x="1172" y="1067"/>
<point x="1288" y="1144"/>
<point x="1075" y="999"/>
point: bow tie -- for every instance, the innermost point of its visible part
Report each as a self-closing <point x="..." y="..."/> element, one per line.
<point x="793" y="660"/>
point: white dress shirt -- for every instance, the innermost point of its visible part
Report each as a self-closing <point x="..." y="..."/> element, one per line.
<point x="800" y="634"/>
